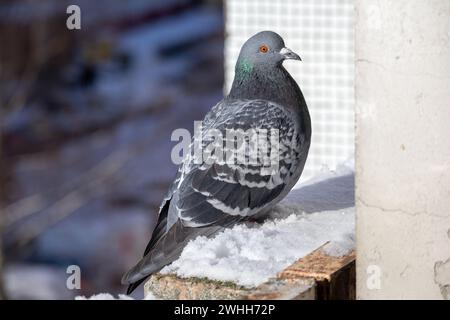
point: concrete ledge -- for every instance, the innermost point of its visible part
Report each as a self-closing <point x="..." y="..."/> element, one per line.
<point x="174" y="288"/>
<point x="285" y="289"/>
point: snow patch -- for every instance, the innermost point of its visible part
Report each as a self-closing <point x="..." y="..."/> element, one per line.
<point x="104" y="296"/>
<point x="318" y="211"/>
<point x="151" y="296"/>
<point x="108" y="296"/>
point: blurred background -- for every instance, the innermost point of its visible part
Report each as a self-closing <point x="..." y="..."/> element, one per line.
<point x="86" y="117"/>
<point x="322" y="33"/>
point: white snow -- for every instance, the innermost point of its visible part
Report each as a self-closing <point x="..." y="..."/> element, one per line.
<point x="104" y="296"/>
<point x="108" y="296"/>
<point x="316" y="212"/>
<point x="151" y="296"/>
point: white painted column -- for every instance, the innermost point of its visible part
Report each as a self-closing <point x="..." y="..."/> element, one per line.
<point x="403" y="149"/>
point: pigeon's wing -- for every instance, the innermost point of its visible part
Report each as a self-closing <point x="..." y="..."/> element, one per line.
<point x="161" y="226"/>
<point x="217" y="191"/>
<point x="209" y="195"/>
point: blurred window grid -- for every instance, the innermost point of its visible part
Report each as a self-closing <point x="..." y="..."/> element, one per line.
<point x="321" y="32"/>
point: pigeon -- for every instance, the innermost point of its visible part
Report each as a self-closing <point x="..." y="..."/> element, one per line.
<point x="208" y="196"/>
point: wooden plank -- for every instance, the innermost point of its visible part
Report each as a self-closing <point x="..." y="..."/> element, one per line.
<point x="335" y="276"/>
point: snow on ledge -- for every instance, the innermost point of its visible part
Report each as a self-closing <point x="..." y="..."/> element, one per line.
<point x="104" y="296"/>
<point x="108" y="296"/>
<point x="318" y="211"/>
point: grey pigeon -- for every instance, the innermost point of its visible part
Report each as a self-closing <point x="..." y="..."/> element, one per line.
<point x="207" y="197"/>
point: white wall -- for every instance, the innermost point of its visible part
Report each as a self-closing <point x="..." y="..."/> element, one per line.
<point x="321" y="31"/>
<point x="403" y="148"/>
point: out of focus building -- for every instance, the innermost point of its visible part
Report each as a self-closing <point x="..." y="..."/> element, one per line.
<point x="86" y="120"/>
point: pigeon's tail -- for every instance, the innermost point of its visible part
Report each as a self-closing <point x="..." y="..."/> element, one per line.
<point x="134" y="277"/>
<point x="146" y="267"/>
<point x="140" y="272"/>
<point x="133" y="286"/>
<point x="164" y="251"/>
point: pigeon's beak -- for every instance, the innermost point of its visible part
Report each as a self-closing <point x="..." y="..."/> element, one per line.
<point x="289" y="54"/>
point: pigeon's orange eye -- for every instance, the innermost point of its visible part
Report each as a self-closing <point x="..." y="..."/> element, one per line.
<point x="264" y="48"/>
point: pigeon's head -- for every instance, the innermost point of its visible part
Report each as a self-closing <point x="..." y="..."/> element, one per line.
<point x="265" y="49"/>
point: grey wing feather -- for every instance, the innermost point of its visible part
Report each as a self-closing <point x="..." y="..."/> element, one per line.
<point x="208" y="192"/>
<point x="204" y="197"/>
